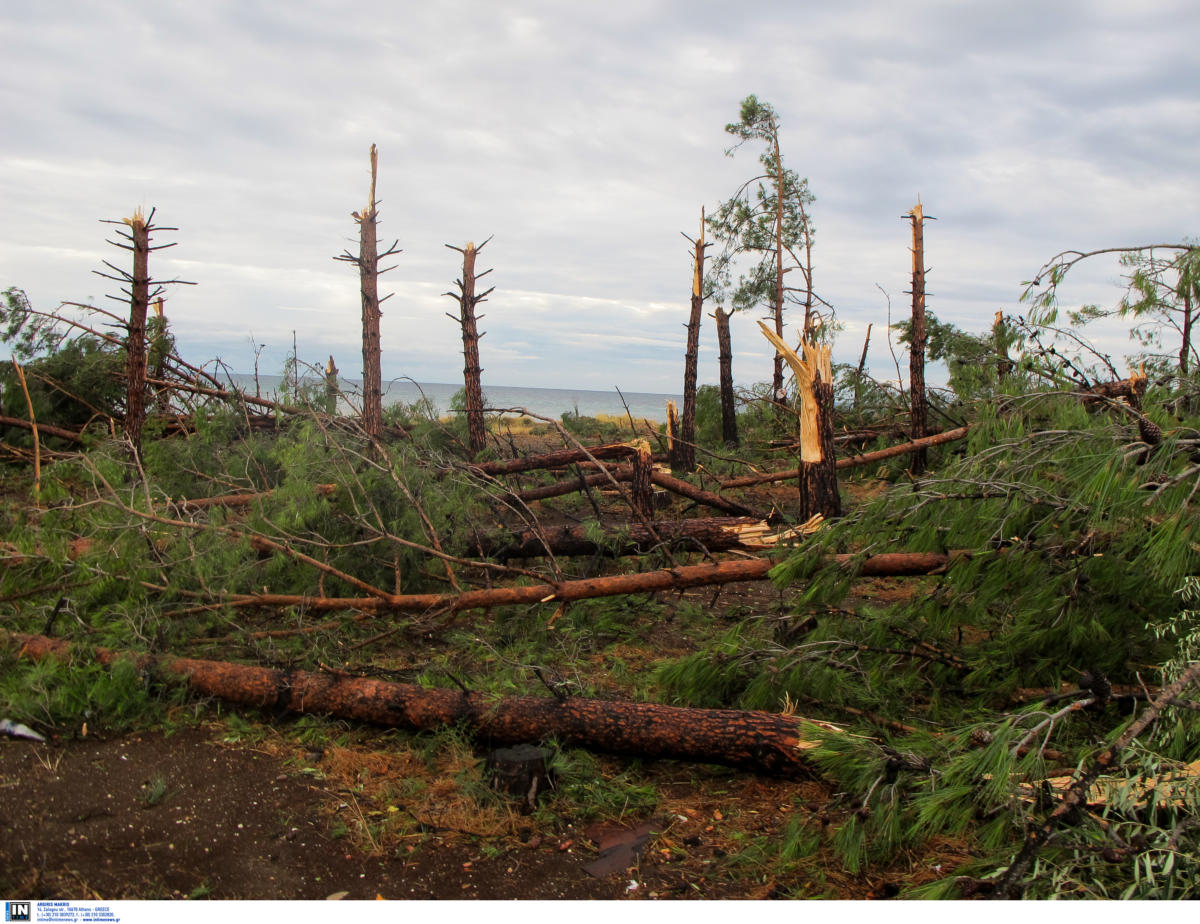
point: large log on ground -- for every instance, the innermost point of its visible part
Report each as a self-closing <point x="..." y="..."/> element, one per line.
<point x="557" y="459"/>
<point x="760" y="741"/>
<point x="681" y="578"/>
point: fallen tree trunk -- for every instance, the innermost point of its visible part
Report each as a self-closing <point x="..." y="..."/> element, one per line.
<point x="893" y="564"/>
<point x="557" y="459"/>
<point x="760" y="741"/>
<point x="243" y="499"/>
<point x="625" y="473"/>
<point x="44" y="429"/>
<point x="865" y="458"/>
<point x="713" y="534"/>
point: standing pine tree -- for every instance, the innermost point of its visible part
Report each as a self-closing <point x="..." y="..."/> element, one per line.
<point x="767" y="218"/>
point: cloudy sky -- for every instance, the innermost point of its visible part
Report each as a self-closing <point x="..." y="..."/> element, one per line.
<point x="585" y="137"/>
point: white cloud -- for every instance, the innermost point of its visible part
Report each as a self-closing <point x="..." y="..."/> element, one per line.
<point x="585" y="138"/>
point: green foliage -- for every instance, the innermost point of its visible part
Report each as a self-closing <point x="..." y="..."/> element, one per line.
<point x="750" y="222"/>
<point x="63" y="695"/>
<point x="72" y="380"/>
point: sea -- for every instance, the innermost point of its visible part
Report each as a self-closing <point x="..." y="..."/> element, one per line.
<point x="545" y="402"/>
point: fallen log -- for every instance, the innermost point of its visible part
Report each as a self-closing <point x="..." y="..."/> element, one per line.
<point x="758" y="741"/>
<point x="625" y="473"/>
<point x="243" y="499"/>
<point x="43" y="428"/>
<point x="709" y="534"/>
<point x="866" y="458"/>
<point x="893" y="564"/>
<point x="714" y="534"/>
<point x="557" y="459"/>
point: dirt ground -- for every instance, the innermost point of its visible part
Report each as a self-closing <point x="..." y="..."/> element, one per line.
<point x="190" y="816"/>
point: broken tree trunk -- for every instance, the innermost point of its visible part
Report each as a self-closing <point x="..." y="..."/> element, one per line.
<point x="729" y="430"/>
<point x="135" y="344"/>
<point x="866" y="458"/>
<point x="640" y="484"/>
<point x="139" y="294"/>
<point x="817" y="473"/>
<point x="472" y="371"/>
<point x="684" y="457"/>
<point x="369" y="272"/>
<point x="891" y="564"/>
<point x="757" y="741"/>
<point x="916" y="351"/>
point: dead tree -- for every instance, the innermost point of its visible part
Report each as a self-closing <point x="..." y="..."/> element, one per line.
<point x="369" y="272"/>
<point x="818" y="466"/>
<point x="888" y="564"/>
<point x="916" y="351"/>
<point x="139" y="291"/>
<point x="472" y="371"/>
<point x="757" y="741"/>
<point x="729" y="429"/>
<point x="684" y="451"/>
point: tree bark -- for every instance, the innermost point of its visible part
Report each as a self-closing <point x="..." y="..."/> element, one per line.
<point x="712" y="534"/>
<point x="626" y="474"/>
<point x="135" y="344"/>
<point x="641" y="483"/>
<point x="893" y="564"/>
<point x="916" y="353"/>
<point x="558" y="459"/>
<point x="729" y="430"/>
<point x="866" y="458"/>
<point x="684" y="458"/>
<point x="368" y="265"/>
<point x="472" y="370"/>
<point x="756" y="741"/>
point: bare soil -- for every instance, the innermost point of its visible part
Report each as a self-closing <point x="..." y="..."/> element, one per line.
<point x="192" y="815"/>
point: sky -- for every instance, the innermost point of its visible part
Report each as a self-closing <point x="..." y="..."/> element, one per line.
<point x="583" y="139"/>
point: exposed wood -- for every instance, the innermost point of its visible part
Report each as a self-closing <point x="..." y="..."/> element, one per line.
<point x="757" y="741"/>
<point x="817" y="474"/>
<point x="866" y="458"/>
<point x="33" y="427"/>
<point x="640" y="484"/>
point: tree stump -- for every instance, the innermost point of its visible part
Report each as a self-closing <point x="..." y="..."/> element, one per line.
<point x="523" y="771"/>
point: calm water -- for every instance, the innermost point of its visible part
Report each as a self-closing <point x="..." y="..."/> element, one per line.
<point x="547" y="402"/>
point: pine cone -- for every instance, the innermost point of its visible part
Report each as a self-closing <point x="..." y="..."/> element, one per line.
<point x="1150" y="432"/>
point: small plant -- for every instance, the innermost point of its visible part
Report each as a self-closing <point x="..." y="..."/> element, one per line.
<point x="155" y="791"/>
